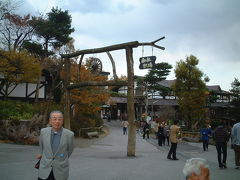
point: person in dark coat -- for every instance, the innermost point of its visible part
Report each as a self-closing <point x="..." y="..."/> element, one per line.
<point x="160" y="134"/>
<point x="166" y="132"/>
<point x="146" y="130"/>
<point x="221" y="137"/>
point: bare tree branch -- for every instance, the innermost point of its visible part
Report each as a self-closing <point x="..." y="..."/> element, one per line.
<point x="153" y="43"/>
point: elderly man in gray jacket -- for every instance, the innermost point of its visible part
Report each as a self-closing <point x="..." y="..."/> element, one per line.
<point x="56" y="146"/>
<point x="196" y="169"/>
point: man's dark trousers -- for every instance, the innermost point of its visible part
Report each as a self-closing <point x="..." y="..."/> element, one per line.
<point x="221" y="149"/>
<point x="160" y="139"/>
<point x="205" y="145"/>
<point x="172" y="151"/>
<point x="237" y="154"/>
<point x="144" y="134"/>
<point x="50" y="177"/>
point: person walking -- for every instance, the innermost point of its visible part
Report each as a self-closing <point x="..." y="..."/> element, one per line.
<point x="56" y="146"/>
<point x="109" y="116"/>
<point x="236" y="143"/>
<point x="205" y="133"/>
<point x="160" y="134"/>
<point x="148" y="118"/>
<point x="221" y="137"/>
<point x="155" y="128"/>
<point x="125" y="126"/>
<point x="196" y="169"/>
<point x="166" y="132"/>
<point x="174" y="134"/>
<point x="146" y="130"/>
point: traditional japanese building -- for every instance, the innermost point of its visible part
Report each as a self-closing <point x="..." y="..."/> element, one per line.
<point x="160" y="106"/>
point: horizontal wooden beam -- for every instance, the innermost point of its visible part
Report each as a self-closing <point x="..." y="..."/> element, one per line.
<point x="132" y="44"/>
<point x="102" y="49"/>
<point x="97" y="83"/>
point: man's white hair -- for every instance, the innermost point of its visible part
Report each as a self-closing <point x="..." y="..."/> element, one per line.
<point x="55" y="111"/>
<point x="193" y="166"/>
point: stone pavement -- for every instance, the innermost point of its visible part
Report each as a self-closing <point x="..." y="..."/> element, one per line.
<point x="106" y="159"/>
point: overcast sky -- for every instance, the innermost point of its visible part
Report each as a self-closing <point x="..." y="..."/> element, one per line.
<point x="207" y="29"/>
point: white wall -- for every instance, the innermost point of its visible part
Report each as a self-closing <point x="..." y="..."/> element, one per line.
<point x="20" y="90"/>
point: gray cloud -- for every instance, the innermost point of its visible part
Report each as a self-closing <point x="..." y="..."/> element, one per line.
<point x="206" y="29"/>
<point x="97" y="6"/>
<point x="89" y="6"/>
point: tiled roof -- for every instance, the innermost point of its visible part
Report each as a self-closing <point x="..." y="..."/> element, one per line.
<point x="214" y="88"/>
<point x="163" y="102"/>
<point x="220" y="104"/>
<point x="167" y="83"/>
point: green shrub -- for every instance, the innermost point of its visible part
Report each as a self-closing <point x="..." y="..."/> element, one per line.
<point x="49" y="106"/>
<point x="116" y="94"/>
<point x="15" y="110"/>
<point x="85" y="120"/>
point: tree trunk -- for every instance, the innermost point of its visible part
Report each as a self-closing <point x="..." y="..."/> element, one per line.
<point x="130" y="104"/>
<point x="152" y="108"/>
<point x="146" y="104"/>
<point x="37" y="90"/>
<point x="113" y="65"/>
<point x="6" y="91"/>
<point x="189" y="121"/>
<point x="67" y="93"/>
<point x="45" y="115"/>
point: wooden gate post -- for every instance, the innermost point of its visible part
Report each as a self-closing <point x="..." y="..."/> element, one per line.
<point x="67" y="78"/>
<point x="130" y="104"/>
<point x="130" y="97"/>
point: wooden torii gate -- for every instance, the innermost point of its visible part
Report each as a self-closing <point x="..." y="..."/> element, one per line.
<point x="130" y="83"/>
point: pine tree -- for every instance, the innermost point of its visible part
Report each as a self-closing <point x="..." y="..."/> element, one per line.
<point x="190" y="89"/>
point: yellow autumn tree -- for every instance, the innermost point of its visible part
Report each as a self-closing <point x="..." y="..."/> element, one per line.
<point x="190" y="88"/>
<point x="87" y="101"/>
<point x="16" y="68"/>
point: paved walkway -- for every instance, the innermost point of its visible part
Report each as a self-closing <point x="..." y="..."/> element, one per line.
<point x="106" y="159"/>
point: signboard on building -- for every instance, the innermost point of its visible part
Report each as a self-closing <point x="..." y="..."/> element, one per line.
<point x="147" y="62"/>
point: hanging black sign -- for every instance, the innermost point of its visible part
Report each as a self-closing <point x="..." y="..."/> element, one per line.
<point x="147" y="62"/>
